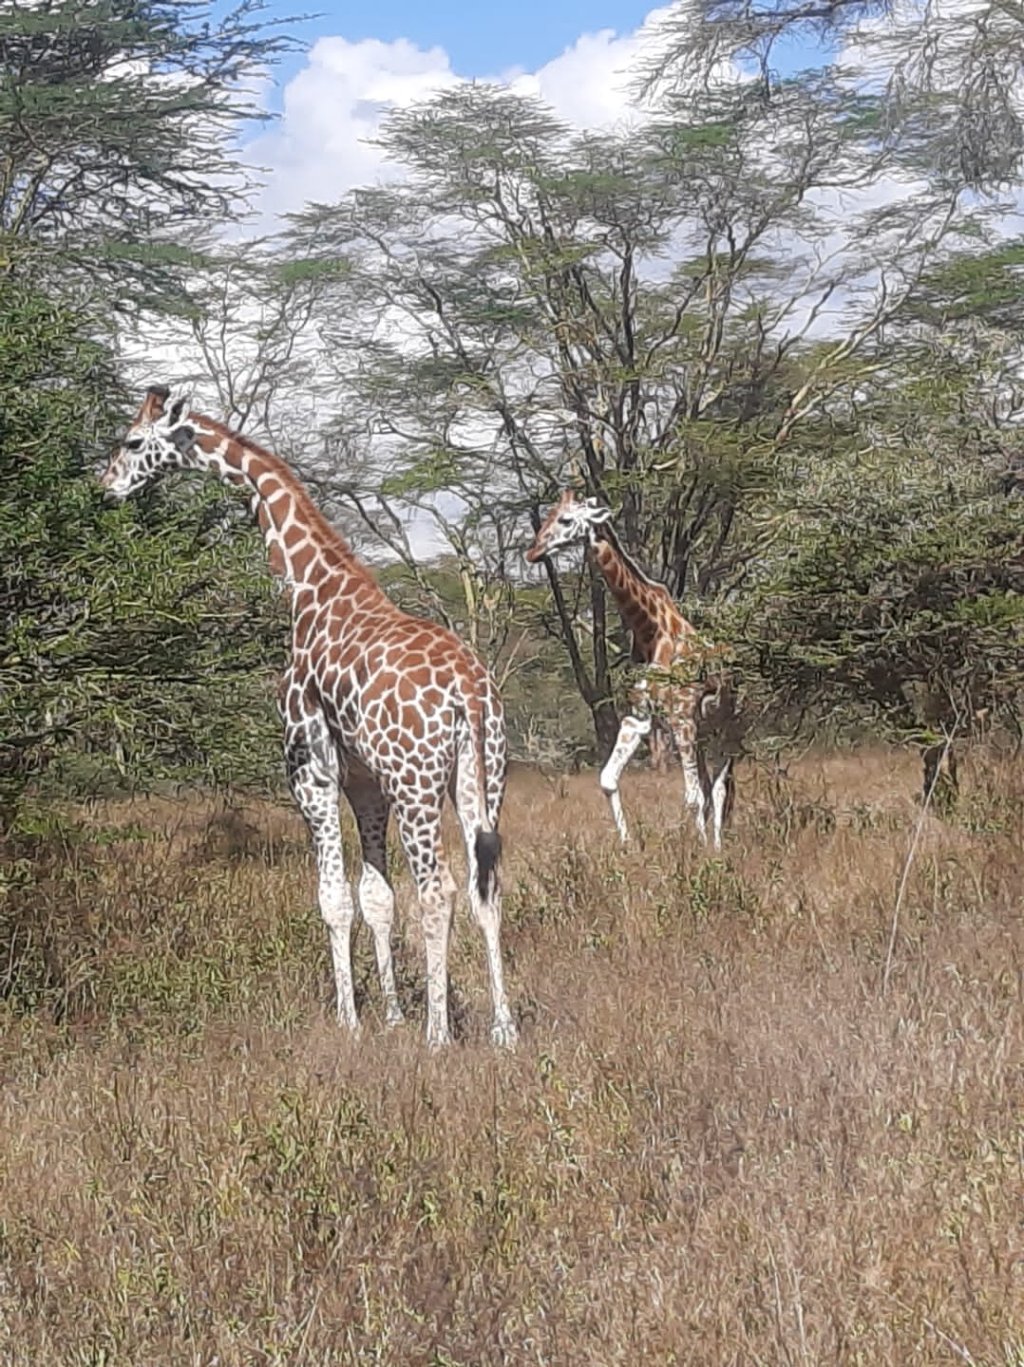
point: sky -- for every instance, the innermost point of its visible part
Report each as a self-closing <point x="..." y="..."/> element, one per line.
<point x="481" y="39"/>
<point x="356" y="61"/>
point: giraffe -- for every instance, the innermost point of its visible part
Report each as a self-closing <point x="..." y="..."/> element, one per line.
<point x="662" y="640"/>
<point x="391" y="710"/>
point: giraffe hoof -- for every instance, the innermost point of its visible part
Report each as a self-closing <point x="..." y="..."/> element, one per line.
<point x="394" y="1017"/>
<point x="438" y="1040"/>
<point x="504" y="1035"/>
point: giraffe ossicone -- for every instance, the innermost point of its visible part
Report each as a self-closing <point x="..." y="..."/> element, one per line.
<point x="392" y="711"/>
<point x="664" y="643"/>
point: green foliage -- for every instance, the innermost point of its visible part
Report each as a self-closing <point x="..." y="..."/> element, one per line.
<point x="116" y="124"/>
<point x="978" y="288"/>
<point x="123" y="637"/>
<point x="941" y="83"/>
<point x="303" y="271"/>
<point x="132" y="648"/>
<point x="896" y="598"/>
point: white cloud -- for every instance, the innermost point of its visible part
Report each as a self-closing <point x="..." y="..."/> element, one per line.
<point x="589" y="84"/>
<point x="332" y="109"/>
<point x="321" y="145"/>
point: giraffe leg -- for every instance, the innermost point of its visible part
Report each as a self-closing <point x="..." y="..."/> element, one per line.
<point x="376" y="896"/>
<point x="484" y="893"/>
<point x="694" y="773"/>
<point x="723" y="792"/>
<point x="631" y="732"/>
<point x="420" y="830"/>
<point x="313" y="774"/>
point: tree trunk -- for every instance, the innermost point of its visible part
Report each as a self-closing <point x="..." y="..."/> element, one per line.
<point x="606" y="727"/>
<point x="941" y="788"/>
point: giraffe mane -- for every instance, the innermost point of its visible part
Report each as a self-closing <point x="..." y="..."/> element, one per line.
<point x="612" y="537"/>
<point x="326" y="533"/>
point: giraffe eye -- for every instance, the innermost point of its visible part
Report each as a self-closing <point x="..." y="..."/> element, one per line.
<point x="133" y="444"/>
<point x="565" y="519"/>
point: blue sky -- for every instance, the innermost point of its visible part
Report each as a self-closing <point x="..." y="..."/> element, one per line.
<point x="577" y="56"/>
<point x="481" y="38"/>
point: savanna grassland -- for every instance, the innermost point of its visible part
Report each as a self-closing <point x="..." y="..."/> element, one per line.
<point x="718" y="1142"/>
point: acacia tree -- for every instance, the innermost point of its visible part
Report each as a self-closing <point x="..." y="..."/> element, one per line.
<point x="943" y="81"/>
<point x="636" y="312"/>
<point x="894" y="589"/>
<point x="895" y="594"/>
<point x="116" y="121"/>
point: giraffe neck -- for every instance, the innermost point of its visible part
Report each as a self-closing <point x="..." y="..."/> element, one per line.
<point x="632" y="590"/>
<point x="302" y="546"/>
<point x="657" y="626"/>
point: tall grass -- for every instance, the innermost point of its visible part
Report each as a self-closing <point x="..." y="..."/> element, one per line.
<point x="717" y="1142"/>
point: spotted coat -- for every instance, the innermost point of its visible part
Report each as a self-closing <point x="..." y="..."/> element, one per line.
<point x="391" y="710"/>
<point x="672" y="686"/>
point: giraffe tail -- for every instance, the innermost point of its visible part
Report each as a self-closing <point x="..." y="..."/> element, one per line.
<point x="488" y="853"/>
<point x="486" y="841"/>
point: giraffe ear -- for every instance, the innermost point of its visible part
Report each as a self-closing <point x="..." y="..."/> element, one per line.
<point x="178" y="405"/>
<point x="153" y="403"/>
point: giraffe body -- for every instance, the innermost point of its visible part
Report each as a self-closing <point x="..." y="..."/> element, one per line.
<point x="669" y="650"/>
<point x="392" y="711"/>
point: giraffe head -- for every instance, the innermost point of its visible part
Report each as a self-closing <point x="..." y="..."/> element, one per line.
<point x="569" y="520"/>
<point x="159" y="439"/>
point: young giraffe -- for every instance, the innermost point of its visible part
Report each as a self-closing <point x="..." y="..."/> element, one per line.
<point x="390" y="710"/>
<point x="662" y="639"/>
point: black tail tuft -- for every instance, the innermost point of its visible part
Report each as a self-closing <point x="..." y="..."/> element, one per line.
<point x="488" y="852"/>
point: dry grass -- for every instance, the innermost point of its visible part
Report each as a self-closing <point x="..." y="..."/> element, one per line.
<point x="717" y="1143"/>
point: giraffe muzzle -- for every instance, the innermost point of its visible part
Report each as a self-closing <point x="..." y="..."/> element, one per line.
<point x="115" y="488"/>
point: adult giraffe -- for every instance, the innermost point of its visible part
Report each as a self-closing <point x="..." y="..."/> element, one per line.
<point x="389" y="709"/>
<point x="663" y="641"/>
